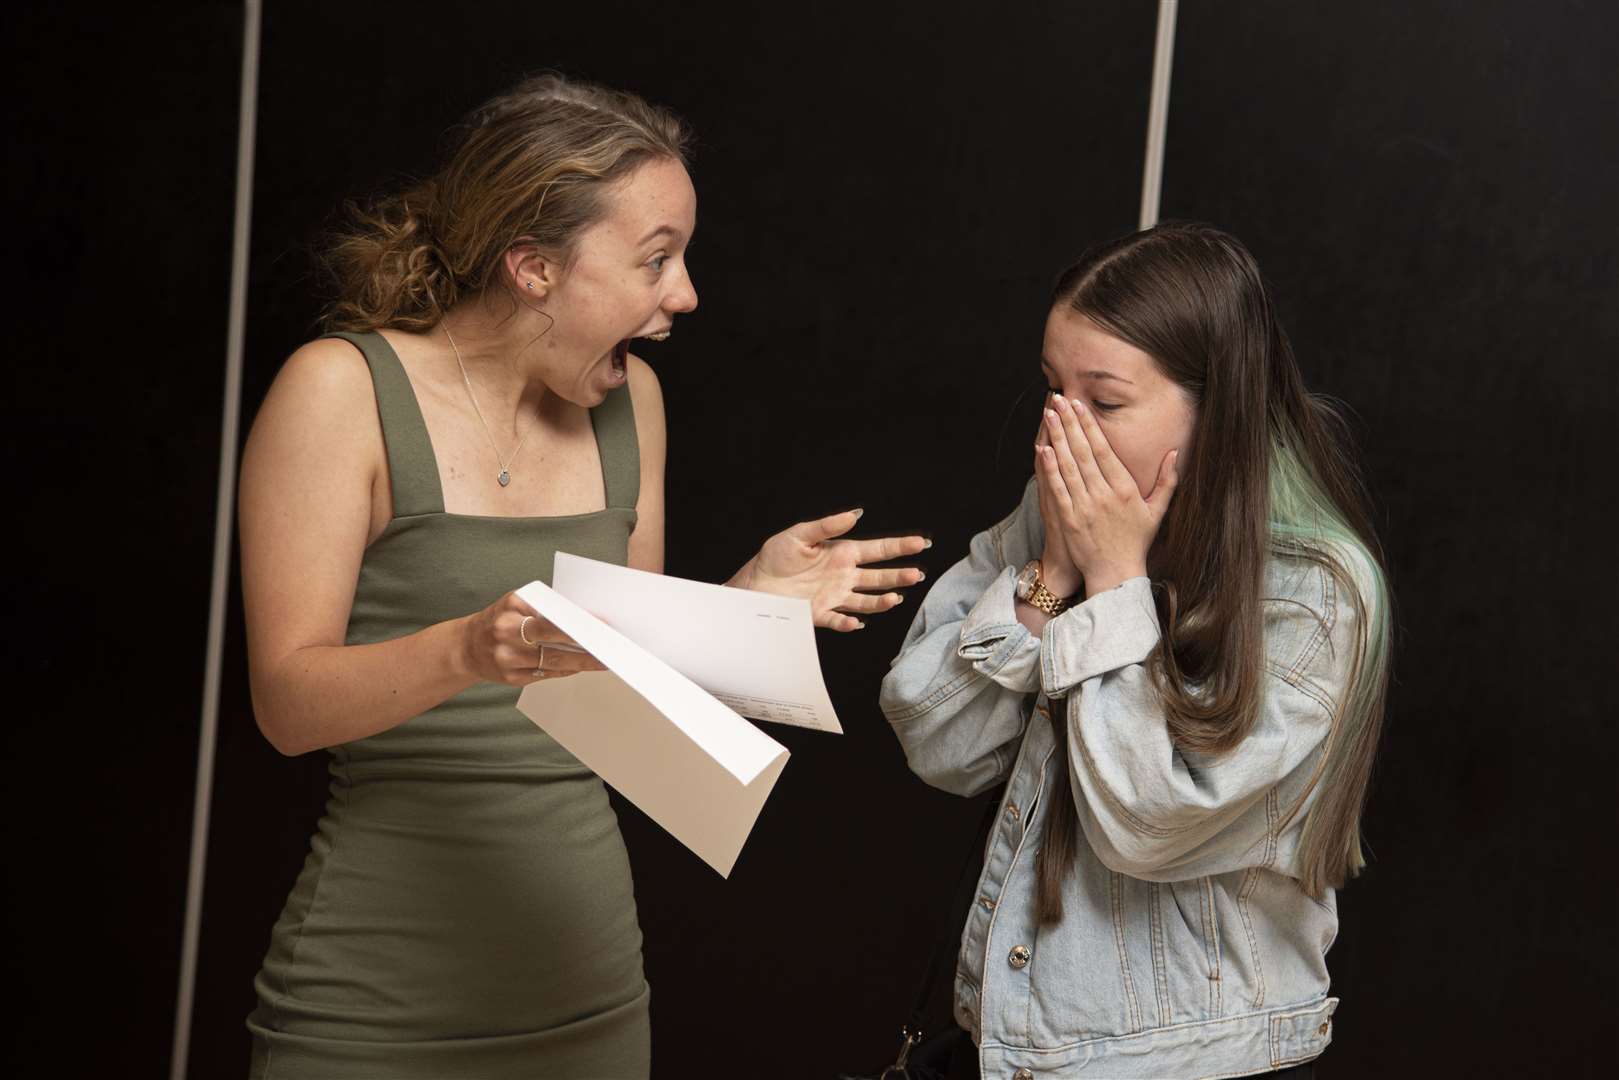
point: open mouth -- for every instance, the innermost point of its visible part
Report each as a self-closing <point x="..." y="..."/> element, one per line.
<point x="621" y="351"/>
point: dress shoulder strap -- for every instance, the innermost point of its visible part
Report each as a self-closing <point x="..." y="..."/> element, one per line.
<point x="620" y="450"/>
<point x="412" y="468"/>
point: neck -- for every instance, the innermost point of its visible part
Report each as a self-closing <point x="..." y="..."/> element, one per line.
<point x="502" y="355"/>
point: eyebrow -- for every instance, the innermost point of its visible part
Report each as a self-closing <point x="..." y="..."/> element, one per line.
<point x="1098" y="374"/>
<point x="661" y="230"/>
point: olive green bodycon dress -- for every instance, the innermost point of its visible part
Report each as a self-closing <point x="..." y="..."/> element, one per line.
<point x="466" y="908"/>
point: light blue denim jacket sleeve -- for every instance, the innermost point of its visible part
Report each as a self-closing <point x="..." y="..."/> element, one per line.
<point x="958" y="691"/>
<point x="1148" y="809"/>
<point x="956" y="698"/>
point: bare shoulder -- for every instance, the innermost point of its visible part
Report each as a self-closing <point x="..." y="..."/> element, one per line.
<point x="647" y="395"/>
<point x="318" y="423"/>
<point x="645" y="389"/>
<point x="646" y="542"/>
<point x="327" y="373"/>
<point x="324" y="393"/>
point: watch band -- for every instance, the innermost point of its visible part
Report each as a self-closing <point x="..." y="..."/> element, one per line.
<point x="1045" y="600"/>
<point x="1032" y="590"/>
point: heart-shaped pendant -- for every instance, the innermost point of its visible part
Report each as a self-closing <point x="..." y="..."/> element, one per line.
<point x="505" y="478"/>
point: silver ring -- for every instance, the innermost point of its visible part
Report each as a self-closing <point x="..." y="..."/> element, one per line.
<point x="539" y="669"/>
<point x="522" y="630"/>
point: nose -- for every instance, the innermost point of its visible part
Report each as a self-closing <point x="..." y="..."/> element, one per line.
<point x="684" y="297"/>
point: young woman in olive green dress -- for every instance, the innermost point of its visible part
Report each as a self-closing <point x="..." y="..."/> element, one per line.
<point x="466" y="908"/>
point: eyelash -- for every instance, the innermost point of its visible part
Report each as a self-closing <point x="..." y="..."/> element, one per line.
<point x="1099" y="406"/>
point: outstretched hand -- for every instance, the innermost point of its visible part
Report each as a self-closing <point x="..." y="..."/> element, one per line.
<point x="809" y="560"/>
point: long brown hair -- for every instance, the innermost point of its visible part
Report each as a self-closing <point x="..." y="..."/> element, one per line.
<point x="1272" y="472"/>
<point x="533" y="164"/>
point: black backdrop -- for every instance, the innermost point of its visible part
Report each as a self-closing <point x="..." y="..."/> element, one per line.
<point x="884" y="196"/>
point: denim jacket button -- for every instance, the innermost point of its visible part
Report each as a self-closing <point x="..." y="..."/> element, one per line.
<point x="1019" y="956"/>
<point x="1011" y="811"/>
<point x="988" y="902"/>
<point x="1023" y="1074"/>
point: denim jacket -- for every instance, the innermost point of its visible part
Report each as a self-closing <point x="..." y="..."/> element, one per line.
<point x="1186" y="947"/>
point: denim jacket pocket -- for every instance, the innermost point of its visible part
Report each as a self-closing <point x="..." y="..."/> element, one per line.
<point x="1301" y="1034"/>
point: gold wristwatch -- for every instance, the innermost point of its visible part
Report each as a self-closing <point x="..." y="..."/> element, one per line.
<point x="1031" y="590"/>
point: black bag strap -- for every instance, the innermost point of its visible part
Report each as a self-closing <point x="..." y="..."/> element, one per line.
<point x="949" y="938"/>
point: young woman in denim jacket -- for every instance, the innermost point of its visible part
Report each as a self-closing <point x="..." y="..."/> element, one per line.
<point x="1174" y="652"/>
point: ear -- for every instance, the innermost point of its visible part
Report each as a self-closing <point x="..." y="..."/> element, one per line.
<point x="531" y="270"/>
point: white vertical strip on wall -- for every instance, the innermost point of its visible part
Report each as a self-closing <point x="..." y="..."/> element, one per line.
<point x="1163" y="58"/>
<point x="224" y="516"/>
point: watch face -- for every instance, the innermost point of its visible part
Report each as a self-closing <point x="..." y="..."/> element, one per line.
<point x="1026" y="579"/>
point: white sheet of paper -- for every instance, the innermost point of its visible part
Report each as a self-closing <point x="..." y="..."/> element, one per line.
<point x="753" y="651"/>
<point x="688" y="762"/>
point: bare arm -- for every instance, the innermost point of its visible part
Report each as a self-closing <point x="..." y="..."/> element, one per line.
<point x="307" y="474"/>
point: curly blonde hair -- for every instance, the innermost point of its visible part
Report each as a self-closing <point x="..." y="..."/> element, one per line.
<point x="533" y="164"/>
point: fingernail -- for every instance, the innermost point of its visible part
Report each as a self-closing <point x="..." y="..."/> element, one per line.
<point x="1079" y="406"/>
<point x="1051" y="414"/>
<point x="921" y="575"/>
<point x="859" y="626"/>
<point x="858" y="512"/>
<point x="926" y="544"/>
<point x="898" y="599"/>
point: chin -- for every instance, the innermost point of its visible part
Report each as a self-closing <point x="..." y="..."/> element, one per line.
<point x="586" y="396"/>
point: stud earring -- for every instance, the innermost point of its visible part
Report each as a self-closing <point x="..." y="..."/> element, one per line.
<point x="531" y="284"/>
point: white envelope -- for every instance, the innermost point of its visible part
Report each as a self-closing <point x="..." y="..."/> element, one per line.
<point x="688" y="762"/>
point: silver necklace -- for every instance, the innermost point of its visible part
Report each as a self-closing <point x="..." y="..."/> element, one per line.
<point x="505" y="476"/>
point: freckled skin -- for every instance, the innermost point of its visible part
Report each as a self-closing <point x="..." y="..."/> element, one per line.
<point x="618" y="283"/>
